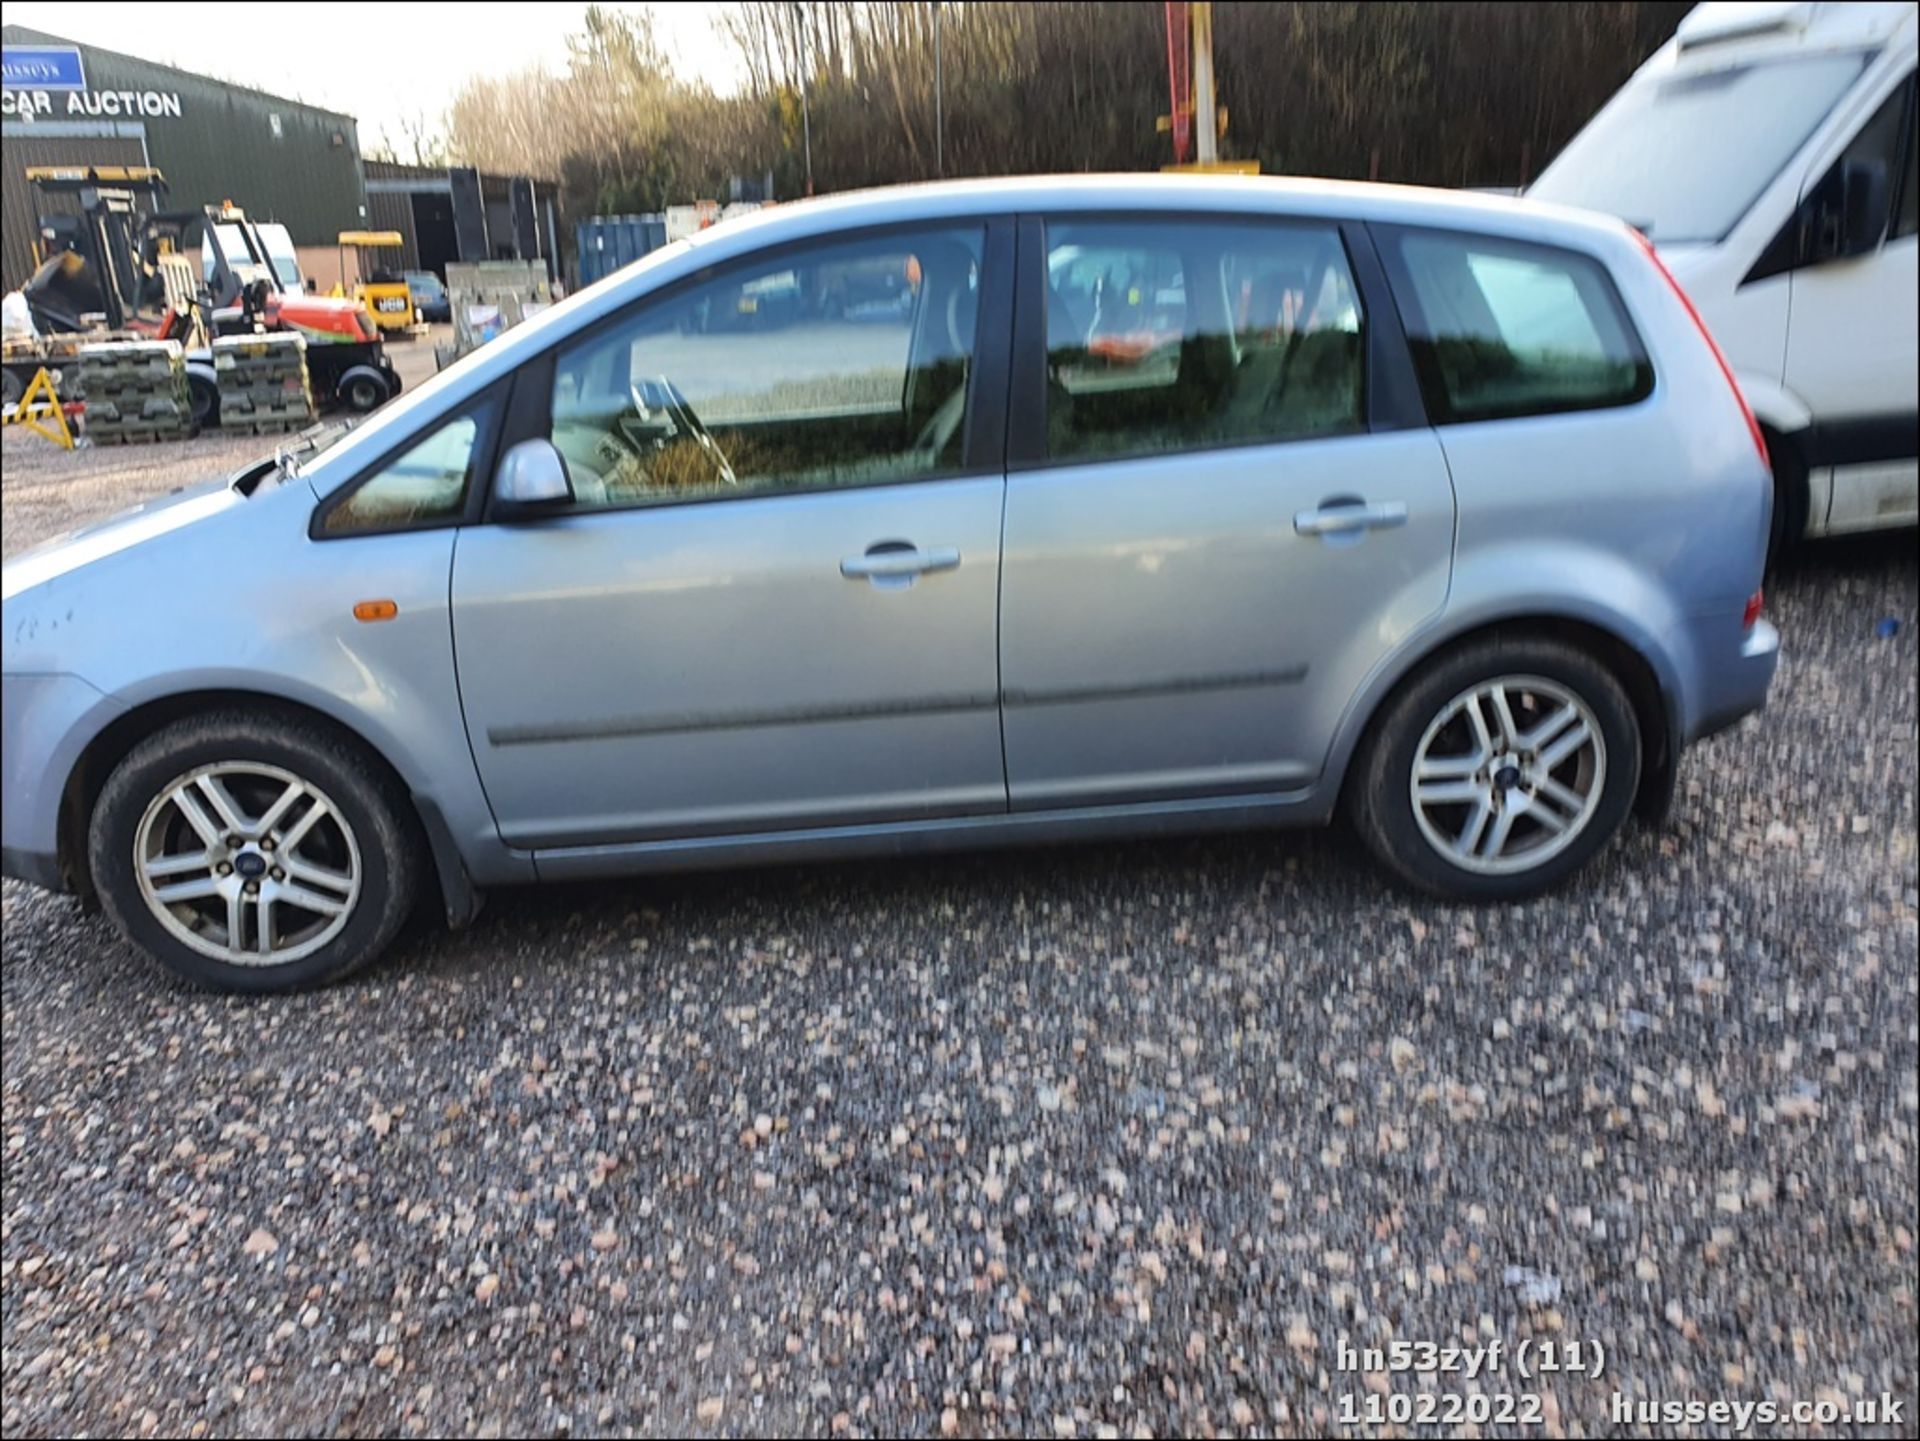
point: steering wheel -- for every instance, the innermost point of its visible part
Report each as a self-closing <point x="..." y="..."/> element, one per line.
<point x="685" y="419"/>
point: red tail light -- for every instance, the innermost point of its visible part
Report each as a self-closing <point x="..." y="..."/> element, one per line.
<point x="1755" y="603"/>
<point x="1753" y="425"/>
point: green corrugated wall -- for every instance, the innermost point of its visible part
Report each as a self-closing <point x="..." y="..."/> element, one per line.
<point x="222" y="145"/>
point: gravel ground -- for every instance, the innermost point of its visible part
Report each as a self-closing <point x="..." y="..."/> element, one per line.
<point x="1110" y="1140"/>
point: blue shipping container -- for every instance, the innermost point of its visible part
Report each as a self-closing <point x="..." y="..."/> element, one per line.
<point x="607" y="242"/>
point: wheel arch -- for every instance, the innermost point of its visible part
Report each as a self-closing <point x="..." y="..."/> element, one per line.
<point x="1793" y="498"/>
<point x="1774" y="406"/>
<point x="458" y="897"/>
<point x="1785" y="420"/>
<point x="1654" y="706"/>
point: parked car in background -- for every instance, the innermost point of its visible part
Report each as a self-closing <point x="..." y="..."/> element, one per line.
<point x="1769" y="152"/>
<point x="1439" y="511"/>
<point x="429" y="296"/>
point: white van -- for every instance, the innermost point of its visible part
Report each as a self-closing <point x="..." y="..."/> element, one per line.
<point x="1768" y="152"/>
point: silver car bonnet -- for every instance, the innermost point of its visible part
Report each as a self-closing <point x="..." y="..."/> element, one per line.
<point x="69" y="552"/>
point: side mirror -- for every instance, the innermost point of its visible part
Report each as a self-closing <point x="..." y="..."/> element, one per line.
<point x="1863" y="205"/>
<point x="531" y="478"/>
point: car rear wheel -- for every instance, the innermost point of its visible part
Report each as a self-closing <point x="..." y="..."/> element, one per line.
<point x="1498" y="770"/>
<point x="253" y="852"/>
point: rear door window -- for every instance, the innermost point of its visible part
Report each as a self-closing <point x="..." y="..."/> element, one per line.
<point x="1501" y="329"/>
<point x="1170" y="335"/>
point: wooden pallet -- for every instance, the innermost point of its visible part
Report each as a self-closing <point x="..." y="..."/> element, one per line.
<point x="140" y="376"/>
<point x="272" y="399"/>
<point x="138" y="434"/>
<point x="133" y="412"/>
<point x="266" y="424"/>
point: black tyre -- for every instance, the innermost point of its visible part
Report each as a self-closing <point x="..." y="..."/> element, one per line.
<point x="1788" y="529"/>
<point x="253" y="851"/>
<point x="205" y="396"/>
<point x="363" y="389"/>
<point x="1497" y="770"/>
<point x="15" y="387"/>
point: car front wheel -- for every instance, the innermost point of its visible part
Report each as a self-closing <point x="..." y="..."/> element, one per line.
<point x="1498" y="770"/>
<point x="252" y="852"/>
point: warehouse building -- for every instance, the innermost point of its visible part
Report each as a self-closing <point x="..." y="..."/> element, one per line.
<point x="446" y="214"/>
<point x="279" y="160"/>
<point x="70" y="104"/>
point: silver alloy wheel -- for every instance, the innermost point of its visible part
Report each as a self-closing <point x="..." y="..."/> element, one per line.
<point x="1508" y="774"/>
<point x="247" y="863"/>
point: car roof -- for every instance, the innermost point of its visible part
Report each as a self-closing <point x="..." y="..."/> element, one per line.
<point x="1180" y="193"/>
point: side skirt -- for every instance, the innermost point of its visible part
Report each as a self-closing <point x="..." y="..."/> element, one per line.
<point x="907" y="838"/>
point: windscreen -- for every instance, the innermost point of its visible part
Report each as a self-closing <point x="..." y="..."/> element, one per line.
<point x="286" y="261"/>
<point x="1683" y="157"/>
<point x="233" y="248"/>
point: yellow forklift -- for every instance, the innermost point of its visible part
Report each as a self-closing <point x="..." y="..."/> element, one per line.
<point x="381" y="287"/>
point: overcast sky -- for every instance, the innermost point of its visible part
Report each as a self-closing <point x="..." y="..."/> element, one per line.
<point x="378" y="62"/>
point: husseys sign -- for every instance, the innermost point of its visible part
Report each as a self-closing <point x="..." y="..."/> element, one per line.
<point x="46" y="82"/>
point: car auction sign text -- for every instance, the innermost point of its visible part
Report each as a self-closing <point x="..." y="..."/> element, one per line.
<point x="43" y="105"/>
<point x="40" y="81"/>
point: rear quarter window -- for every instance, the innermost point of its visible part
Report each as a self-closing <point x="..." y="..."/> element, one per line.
<point x="1501" y="329"/>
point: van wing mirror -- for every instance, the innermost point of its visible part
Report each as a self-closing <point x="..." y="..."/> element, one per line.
<point x="531" y="477"/>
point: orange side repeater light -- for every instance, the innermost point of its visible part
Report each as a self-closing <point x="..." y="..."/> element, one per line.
<point x="371" y="610"/>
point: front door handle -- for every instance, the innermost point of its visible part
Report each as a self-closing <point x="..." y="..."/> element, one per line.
<point x="1349" y="517"/>
<point x="898" y="563"/>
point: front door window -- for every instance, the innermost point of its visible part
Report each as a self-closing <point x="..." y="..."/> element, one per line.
<point x="841" y="365"/>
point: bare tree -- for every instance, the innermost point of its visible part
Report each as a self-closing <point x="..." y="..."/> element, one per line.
<point x="1447" y="92"/>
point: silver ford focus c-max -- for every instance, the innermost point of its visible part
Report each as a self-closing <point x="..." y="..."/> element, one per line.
<point x="937" y="516"/>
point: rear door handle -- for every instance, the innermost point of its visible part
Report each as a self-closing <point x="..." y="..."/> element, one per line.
<point x="1344" y="517"/>
<point x="896" y="562"/>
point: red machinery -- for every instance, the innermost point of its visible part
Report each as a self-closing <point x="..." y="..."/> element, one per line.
<point x="103" y="266"/>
